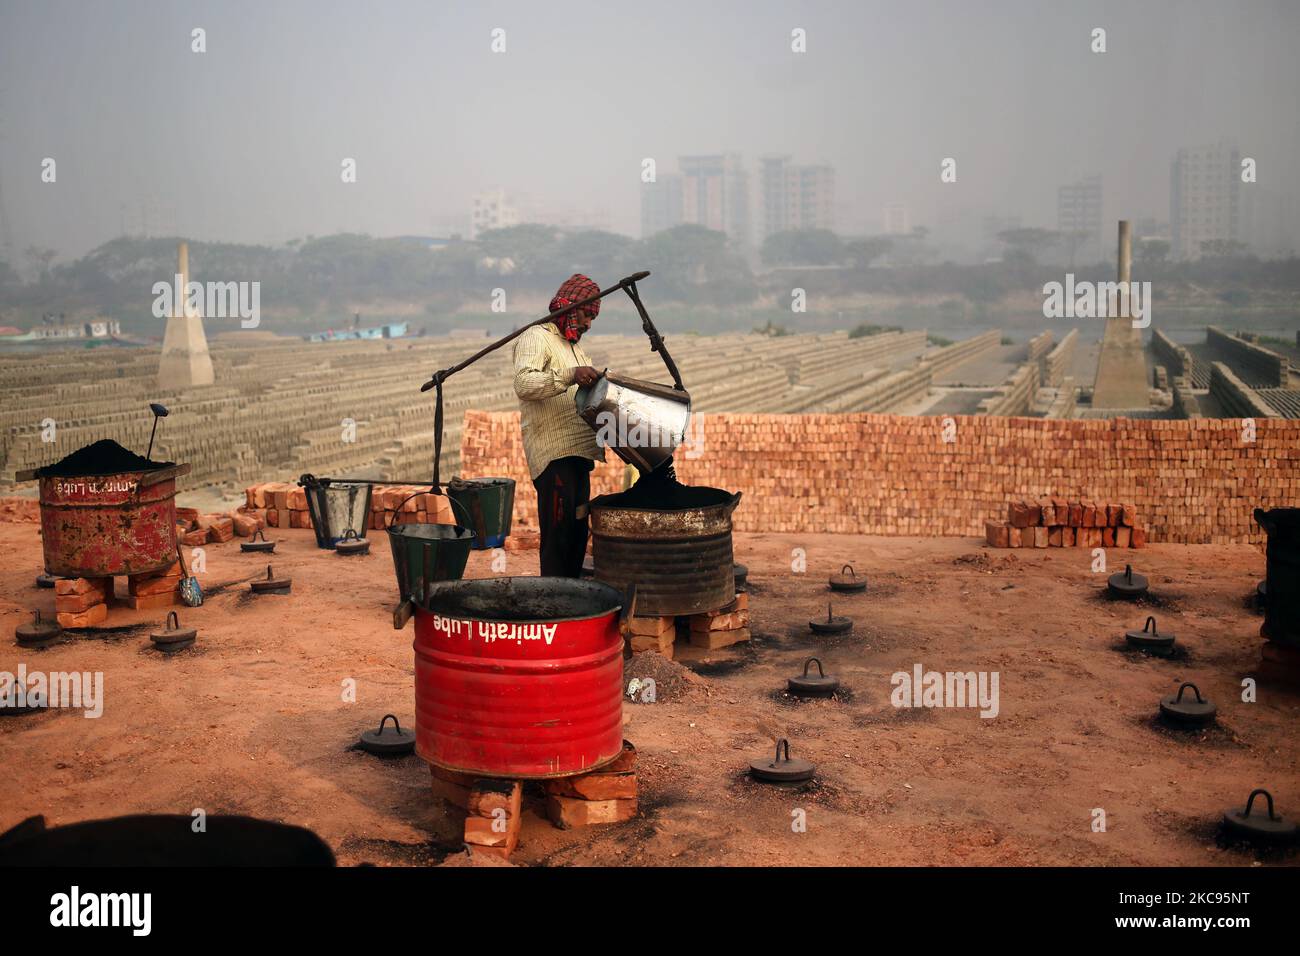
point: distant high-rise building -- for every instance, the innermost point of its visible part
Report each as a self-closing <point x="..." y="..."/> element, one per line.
<point x="491" y="210"/>
<point x="896" y="219"/>
<point x="795" y="197"/>
<point x="661" y="204"/>
<point x="715" y="194"/>
<point x="1268" y="221"/>
<point x="1078" y="219"/>
<point x="1204" y="198"/>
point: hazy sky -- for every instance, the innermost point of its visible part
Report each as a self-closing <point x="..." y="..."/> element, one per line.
<point x="244" y="142"/>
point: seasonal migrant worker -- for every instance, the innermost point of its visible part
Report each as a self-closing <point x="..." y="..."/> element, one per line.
<point x="560" y="447"/>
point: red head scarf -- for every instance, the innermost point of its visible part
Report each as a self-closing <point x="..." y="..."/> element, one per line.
<point x="575" y="288"/>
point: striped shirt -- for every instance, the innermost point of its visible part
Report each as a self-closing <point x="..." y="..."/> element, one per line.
<point x="548" y="417"/>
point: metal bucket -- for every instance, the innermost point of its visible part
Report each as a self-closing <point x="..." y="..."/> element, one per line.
<point x="643" y="422"/>
<point x="102" y="525"/>
<point x="681" y="561"/>
<point x="1282" y="593"/>
<point x="424" y="554"/>
<point x="335" y="508"/>
<point x="489" y="503"/>
<point x="519" y="677"/>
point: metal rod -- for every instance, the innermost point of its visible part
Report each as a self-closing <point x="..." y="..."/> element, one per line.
<point x="442" y="376"/>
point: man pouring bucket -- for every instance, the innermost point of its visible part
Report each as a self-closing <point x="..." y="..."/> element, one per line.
<point x="560" y="447"/>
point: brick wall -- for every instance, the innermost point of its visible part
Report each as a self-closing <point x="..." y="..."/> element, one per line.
<point x="1192" y="481"/>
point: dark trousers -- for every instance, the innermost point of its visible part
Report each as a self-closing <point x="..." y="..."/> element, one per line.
<point x="561" y="488"/>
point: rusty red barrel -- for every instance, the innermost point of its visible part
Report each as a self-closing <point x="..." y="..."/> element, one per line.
<point x="102" y="525"/>
<point x="519" y="677"/>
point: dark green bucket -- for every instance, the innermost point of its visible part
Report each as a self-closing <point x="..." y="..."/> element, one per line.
<point x="425" y="553"/>
<point x="489" y="504"/>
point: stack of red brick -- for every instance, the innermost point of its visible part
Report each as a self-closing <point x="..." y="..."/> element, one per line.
<point x="1196" y="481"/>
<point x="84" y="602"/>
<point x="194" y="528"/>
<point x="284" y="505"/>
<point x="494" y="807"/>
<point x="710" y="630"/>
<point x="1058" y="523"/>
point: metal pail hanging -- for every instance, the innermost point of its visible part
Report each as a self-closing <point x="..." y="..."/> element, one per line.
<point x="427" y="553"/>
<point x="489" y="504"/>
<point x="335" y="507"/>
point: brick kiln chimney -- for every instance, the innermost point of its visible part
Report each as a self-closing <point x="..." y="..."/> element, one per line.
<point x="1122" y="380"/>
<point x="185" y="362"/>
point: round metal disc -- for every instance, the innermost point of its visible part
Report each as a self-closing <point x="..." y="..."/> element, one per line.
<point x="353" y="546"/>
<point x="389" y="743"/>
<point x="813" y="686"/>
<point x="741" y="573"/>
<point x="836" y="625"/>
<point x="1120" y="584"/>
<point x="47" y="580"/>
<point x="1149" y="641"/>
<point x="260" y="547"/>
<point x="173" y="645"/>
<point x="1258" y="826"/>
<point x="32" y="634"/>
<point x="170" y="636"/>
<point x="781" y="771"/>
<point x="273" y="586"/>
<point x="1189" y="712"/>
<point x="846" y="584"/>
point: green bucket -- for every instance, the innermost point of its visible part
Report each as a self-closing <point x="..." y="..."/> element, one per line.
<point x="489" y="504"/>
<point x="426" y="553"/>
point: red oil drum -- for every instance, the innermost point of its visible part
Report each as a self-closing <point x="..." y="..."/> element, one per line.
<point x="102" y="525"/>
<point x="519" y="677"/>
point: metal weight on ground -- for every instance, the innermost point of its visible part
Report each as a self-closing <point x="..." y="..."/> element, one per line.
<point x="834" y="624"/>
<point x="1150" y="640"/>
<point x="847" y="583"/>
<point x="1189" y="713"/>
<point x="1259" y="827"/>
<point x="394" y="743"/>
<point x="809" y="685"/>
<point x="1127" y="583"/>
<point x="255" y="546"/>
<point x="271" y="584"/>
<point x="173" y="637"/>
<point x="781" y="769"/>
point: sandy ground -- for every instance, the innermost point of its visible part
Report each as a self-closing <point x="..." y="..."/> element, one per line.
<point x="252" y="720"/>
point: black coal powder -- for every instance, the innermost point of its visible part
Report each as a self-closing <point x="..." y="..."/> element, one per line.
<point x="659" y="490"/>
<point x="104" y="457"/>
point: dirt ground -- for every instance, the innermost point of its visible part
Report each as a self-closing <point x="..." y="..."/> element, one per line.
<point x="252" y="719"/>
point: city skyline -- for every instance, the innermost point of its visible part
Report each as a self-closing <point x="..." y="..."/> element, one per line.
<point x="243" y="142"/>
